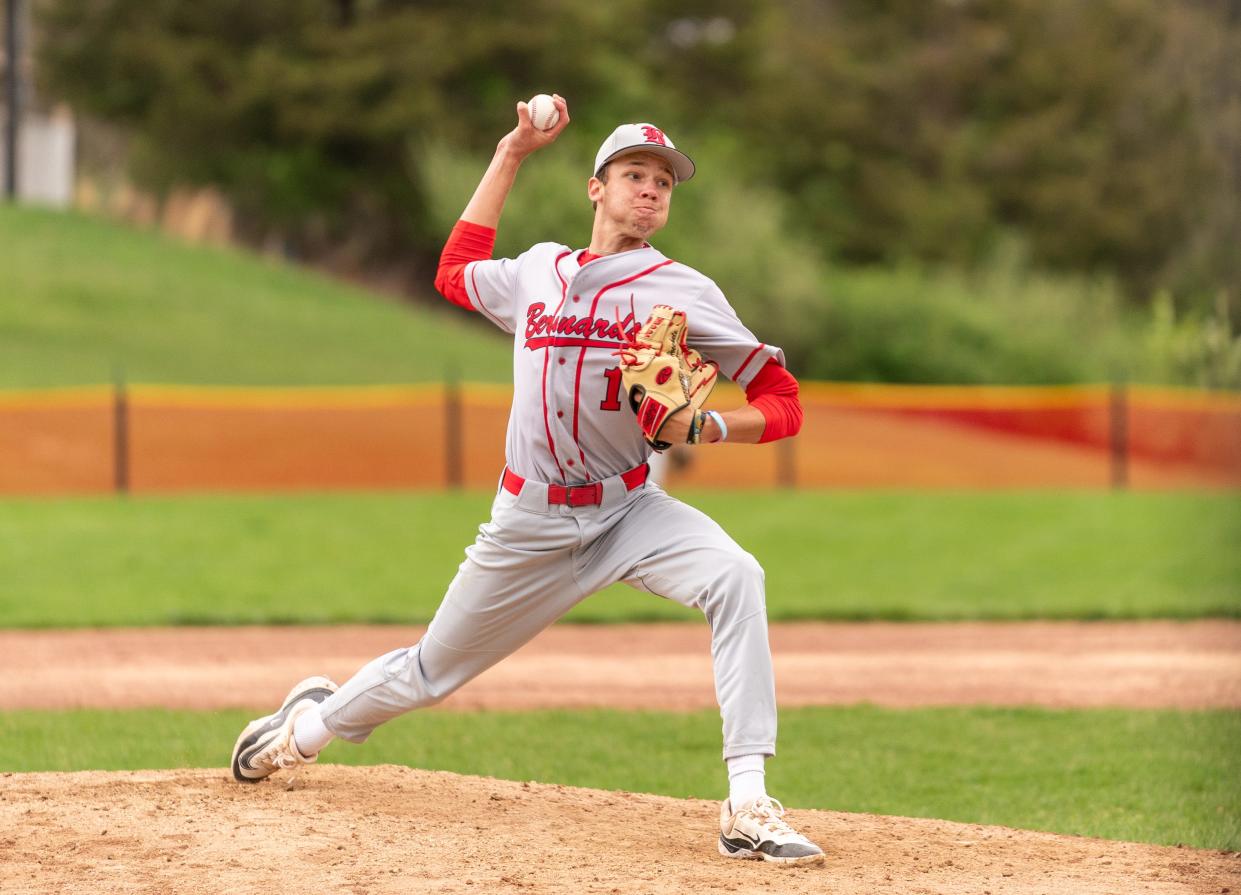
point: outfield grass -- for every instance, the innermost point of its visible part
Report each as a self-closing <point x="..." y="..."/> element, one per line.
<point x="1162" y="777"/>
<point x="388" y="558"/>
<point x="82" y="296"/>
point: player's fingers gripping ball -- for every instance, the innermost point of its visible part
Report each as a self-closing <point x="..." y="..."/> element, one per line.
<point x="663" y="375"/>
<point x="543" y="112"/>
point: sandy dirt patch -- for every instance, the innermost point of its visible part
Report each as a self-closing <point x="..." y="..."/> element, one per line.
<point x="386" y="829"/>
<point x="1129" y="664"/>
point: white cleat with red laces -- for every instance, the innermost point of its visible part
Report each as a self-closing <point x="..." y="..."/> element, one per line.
<point x="758" y="831"/>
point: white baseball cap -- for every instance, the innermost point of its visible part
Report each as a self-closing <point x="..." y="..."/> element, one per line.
<point x="644" y="138"/>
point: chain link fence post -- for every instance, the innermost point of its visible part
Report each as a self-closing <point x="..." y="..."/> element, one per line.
<point x="1118" y="433"/>
<point x="786" y="463"/>
<point x="120" y="433"/>
<point x="454" y="431"/>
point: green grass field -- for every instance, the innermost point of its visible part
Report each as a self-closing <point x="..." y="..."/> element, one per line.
<point x="83" y="296"/>
<point x="1163" y="777"/>
<point x="849" y="555"/>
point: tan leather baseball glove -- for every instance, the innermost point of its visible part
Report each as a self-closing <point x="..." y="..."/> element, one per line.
<point x="663" y="375"/>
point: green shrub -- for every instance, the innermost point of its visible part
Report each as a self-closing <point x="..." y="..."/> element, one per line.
<point x="1001" y="323"/>
<point x="1196" y="349"/>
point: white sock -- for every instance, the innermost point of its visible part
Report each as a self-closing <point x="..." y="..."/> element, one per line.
<point x="746" y="780"/>
<point x="310" y="734"/>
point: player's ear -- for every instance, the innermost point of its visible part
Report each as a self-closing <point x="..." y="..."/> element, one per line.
<point x="594" y="189"/>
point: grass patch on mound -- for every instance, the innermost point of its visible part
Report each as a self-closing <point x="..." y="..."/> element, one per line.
<point x="1151" y="776"/>
<point x="83" y="296"/>
<point x="854" y="555"/>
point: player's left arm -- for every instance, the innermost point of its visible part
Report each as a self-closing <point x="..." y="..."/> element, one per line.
<point x="773" y="409"/>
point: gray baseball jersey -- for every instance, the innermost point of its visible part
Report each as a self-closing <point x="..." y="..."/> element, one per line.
<point x="570" y="424"/>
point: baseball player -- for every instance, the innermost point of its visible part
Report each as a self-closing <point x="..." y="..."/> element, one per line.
<point x="575" y="510"/>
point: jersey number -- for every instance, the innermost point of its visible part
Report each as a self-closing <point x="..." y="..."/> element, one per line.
<point x="611" y="401"/>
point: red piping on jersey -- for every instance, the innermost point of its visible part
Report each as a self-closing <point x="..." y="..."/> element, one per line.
<point x="564" y="286"/>
<point x="547" y="425"/>
<point x="588" y="256"/>
<point x="581" y="358"/>
<point x="577" y="388"/>
<point x="479" y="295"/>
<point x="747" y="362"/>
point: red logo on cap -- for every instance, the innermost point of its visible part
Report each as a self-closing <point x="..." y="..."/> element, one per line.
<point x="654" y="135"/>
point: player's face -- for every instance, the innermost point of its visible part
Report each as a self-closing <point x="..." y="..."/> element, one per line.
<point x="637" y="194"/>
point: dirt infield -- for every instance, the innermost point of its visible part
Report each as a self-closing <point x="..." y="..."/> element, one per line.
<point x="1061" y="664"/>
<point x="386" y="829"/>
<point x="378" y="830"/>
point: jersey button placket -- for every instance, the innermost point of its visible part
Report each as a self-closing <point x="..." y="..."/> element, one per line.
<point x="557" y="396"/>
<point x="560" y="361"/>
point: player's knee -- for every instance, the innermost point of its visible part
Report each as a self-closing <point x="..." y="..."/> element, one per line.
<point x="750" y="570"/>
<point x="738" y="585"/>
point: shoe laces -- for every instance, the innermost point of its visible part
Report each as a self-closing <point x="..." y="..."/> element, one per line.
<point x="282" y="753"/>
<point x="770" y="815"/>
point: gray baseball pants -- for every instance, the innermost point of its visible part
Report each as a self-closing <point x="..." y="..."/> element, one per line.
<point x="533" y="562"/>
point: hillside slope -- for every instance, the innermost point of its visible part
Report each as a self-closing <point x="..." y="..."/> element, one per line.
<point x="81" y="297"/>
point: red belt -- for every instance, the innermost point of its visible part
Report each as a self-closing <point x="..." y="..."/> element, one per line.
<point x="577" y="495"/>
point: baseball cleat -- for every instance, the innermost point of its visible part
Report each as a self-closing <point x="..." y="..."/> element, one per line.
<point x="266" y="745"/>
<point x="758" y="831"/>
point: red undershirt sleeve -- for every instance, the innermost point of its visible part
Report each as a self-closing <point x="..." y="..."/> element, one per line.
<point x="468" y="242"/>
<point x="774" y="392"/>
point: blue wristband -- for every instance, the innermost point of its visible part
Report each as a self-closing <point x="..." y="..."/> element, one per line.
<point x="719" y="421"/>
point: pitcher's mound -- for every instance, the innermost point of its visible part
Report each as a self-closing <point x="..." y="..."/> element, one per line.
<point x="386" y="829"/>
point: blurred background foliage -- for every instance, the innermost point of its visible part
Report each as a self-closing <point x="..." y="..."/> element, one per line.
<point x="901" y="190"/>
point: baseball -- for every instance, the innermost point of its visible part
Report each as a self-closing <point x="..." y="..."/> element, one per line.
<point x="543" y="112"/>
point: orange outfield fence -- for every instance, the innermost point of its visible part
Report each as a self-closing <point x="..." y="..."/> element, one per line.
<point x="152" y="439"/>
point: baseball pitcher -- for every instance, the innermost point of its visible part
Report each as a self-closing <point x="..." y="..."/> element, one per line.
<point x="615" y="349"/>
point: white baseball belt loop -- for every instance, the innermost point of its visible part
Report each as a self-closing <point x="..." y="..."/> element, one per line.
<point x="719" y="421"/>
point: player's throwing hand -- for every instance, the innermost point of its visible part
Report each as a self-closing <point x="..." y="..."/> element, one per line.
<point x="526" y="138"/>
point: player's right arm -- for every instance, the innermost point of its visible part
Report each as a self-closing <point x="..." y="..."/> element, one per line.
<point x="488" y="200"/>
<point x="474" y="236"/>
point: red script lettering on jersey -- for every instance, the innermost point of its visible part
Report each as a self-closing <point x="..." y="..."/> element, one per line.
<point x="654" y="135"/>
<point x="544" y="330"/>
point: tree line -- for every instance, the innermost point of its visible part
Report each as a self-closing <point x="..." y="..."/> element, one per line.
<point x="1102" y="135"/>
